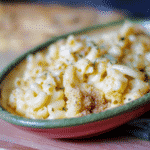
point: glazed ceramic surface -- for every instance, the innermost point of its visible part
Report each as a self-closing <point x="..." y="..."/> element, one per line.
<point x="75" y="127"/>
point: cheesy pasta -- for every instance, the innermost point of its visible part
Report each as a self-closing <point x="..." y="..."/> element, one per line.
<point x="75" y="76"/>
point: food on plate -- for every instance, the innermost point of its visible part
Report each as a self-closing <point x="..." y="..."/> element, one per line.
<point x="76" y="76"/>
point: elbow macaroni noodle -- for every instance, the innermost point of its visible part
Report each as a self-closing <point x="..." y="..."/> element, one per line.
<point x="74" y="79"/>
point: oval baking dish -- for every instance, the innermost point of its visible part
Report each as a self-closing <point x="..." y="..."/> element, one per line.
<point x="74" y="127"/>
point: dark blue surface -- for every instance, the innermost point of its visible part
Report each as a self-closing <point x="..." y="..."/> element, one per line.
<point x="140" y="127"/>
<point x="136" y="8"/>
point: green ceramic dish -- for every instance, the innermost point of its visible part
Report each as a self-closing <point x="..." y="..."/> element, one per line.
<point x="75" y="127"/>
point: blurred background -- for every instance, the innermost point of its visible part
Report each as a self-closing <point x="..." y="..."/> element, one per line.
<point x="131" y="8"/>
<point x="27" y="23"/>
<point x="136" y="8"/>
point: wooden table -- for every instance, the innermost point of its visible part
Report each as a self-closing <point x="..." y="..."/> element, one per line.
<point x="23" y="26"/>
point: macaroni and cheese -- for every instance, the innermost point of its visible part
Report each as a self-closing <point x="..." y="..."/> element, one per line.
<point x="75" y="76"/>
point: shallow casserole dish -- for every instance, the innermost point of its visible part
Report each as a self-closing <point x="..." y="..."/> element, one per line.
<point x="74" y="127"/>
